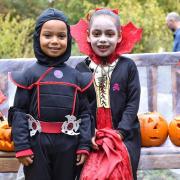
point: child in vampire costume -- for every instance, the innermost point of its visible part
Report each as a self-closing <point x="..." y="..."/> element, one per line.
<point x="114" y="97"/>
<point x="51" y="121"/>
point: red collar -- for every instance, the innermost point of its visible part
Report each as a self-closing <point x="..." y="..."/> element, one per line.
<point x="130" y="35"/>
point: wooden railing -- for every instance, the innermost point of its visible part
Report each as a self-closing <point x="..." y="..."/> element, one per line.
<point x="166" y="156"/>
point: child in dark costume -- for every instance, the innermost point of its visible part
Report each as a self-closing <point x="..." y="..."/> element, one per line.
<point x="116" y="95"/>
<point x="51" y="121"/>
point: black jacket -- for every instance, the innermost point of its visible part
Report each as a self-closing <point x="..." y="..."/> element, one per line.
<point x="124" y="104"/>
<point x="49" y="98"/>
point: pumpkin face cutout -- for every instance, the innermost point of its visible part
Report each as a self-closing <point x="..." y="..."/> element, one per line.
<point x="6" y="143"/>
<point x="174" y="131"/>
<point x="154" y="129"/>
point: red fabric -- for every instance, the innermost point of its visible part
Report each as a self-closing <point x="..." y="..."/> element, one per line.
<point x="51" y="127"/>
<point x="26" y="152"/>
<point x="103" y="118"/>
<point x="82" y="151"/>
<point x="130" y="36"/>
<point x="2" y="97"/>
<point x="110" y="162"/>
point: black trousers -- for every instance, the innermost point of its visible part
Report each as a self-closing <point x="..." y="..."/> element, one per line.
<point x="54" y="157"/>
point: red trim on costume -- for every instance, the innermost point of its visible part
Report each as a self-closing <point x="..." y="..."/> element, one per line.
<point x="82" y="151"/>
<point x="74" y="102"/>
<point x="44" y="74"/>
<point x="31" y="86"/>
<point x="19" y="85"/>
<point x="26" y="152"/>
<point x="38" y="101"/>
<point x="38" y="89"/>
<point x="51" y="127"/>
<point x="38" y="83"/>
<point x="60" y="83"/>
<point x="88" y="85"/>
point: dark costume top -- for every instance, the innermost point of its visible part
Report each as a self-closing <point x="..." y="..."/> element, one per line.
<point x="49" y="90"/>
<point x="124" y="96"/>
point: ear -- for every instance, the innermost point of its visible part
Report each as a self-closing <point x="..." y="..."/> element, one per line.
<point x="88" y="38"/>
<point x="120" y="38"/>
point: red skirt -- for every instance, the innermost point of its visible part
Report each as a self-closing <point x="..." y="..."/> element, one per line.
<point x="111" y="161"/>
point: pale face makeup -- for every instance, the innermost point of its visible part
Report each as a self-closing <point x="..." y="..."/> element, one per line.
<point x="103" y="35"/>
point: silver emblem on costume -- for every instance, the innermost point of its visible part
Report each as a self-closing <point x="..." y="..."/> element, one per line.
<point x="71" y="126"/>
<point x="34" y="125"/>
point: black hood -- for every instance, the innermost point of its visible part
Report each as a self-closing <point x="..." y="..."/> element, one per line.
<point x="42" y="58"/>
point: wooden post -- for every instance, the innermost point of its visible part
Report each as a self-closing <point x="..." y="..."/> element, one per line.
<point x="175" y="72"/>
<point x="152" y="87"/>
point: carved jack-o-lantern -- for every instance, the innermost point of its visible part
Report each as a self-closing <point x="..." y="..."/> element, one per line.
<point x="174" y="131"/>
<point x="154" y="129"/>
<point x="6" y="143"/>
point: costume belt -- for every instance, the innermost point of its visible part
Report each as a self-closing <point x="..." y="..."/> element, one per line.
<point x="69" y="127"/>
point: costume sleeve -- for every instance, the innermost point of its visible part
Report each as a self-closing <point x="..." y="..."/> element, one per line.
<point x="83" y="67"/>
<point x="18" y="120"/>
<point x="129" y="120"/>
<point x="176" y="47"/>
<point x="85" y="125"/>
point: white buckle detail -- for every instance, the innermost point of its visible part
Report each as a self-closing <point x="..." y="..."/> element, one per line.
<point x="34" y="125"/>
<point x="71" y="126"/>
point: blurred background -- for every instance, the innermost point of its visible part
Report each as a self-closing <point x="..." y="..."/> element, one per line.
<point x="17" y="18"/>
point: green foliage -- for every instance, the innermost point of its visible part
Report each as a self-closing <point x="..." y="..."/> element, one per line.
<point x="16" y="37"/>
<point x="25" y="8"/>
<point x="73" y="9"/>
<point x="151" y="18"/>
<point x="16" y="33"/>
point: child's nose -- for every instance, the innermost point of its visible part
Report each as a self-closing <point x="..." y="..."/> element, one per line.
<point x="55" y="39"/>
<point x="102" y="38"/>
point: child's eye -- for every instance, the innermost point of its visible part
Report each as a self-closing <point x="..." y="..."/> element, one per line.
<point x="96" y="33"/>
<point x="47" y="35"/>
<point x="110" y="33"/>
<point x="62" y="36"/>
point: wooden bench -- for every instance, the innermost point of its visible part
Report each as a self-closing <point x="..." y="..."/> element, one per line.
<point x="151" y="158"/>
<point x="163" y="157"/>
<point x="8" y="162"/>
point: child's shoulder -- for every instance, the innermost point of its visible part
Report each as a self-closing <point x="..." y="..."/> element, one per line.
<point x="126" y="60"/>
<point x="28" y="75"/>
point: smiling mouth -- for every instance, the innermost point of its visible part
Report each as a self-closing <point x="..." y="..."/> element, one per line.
<point x="54" y="48"/>
<point x="103" y="48"/>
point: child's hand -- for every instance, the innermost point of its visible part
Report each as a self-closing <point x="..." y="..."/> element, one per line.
<point x="26" y="160"/>
<point x="81" y="158"/>
<point x="94" y="145"/>
<point x="120" y="135"/>
<point x="93" y="141"/>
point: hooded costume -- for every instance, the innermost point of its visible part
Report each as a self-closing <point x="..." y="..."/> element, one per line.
<point x="50" y="117"/>
<point x="114" y="103"/>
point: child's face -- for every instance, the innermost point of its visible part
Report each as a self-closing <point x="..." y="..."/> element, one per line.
<point x="103" y="35"/>
<point x="53" y="38"/>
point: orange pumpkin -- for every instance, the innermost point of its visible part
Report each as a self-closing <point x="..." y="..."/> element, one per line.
<point x="6" y="143"/>
<point x="154" y="129"/>
<point x="174" y="130"/>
